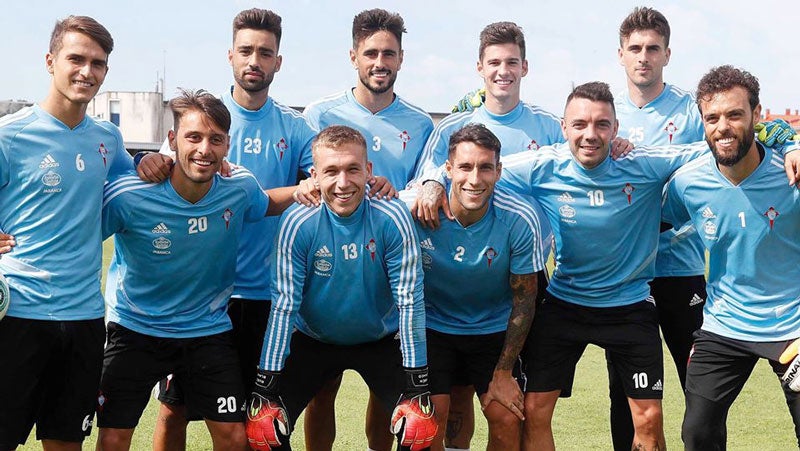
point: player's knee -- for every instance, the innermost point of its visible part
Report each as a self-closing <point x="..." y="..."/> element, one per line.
<point x="229" y="436"/>
<point x="171" y="416"/>
<point x="503" y="424"/>
<point x="703" y="425"/>
<point x="648" y="418"/>
<point x="110" y="439"/>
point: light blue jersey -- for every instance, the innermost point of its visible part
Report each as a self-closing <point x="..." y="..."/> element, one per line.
<point x="395" y="135"/>
<point x="671" y="118"/>
<point x="605" y="220"/>
<point x="752" y="233"/>
<point x="347" y="280"/>
<point x="522" y="129"/>
<point x="274" y="143"/>
<point x="176" y="261"/>
<point x="467" y="270"/>
<point x="51" y="194"/>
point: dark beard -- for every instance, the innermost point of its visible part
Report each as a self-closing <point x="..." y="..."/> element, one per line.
<point x="744" y="145"/>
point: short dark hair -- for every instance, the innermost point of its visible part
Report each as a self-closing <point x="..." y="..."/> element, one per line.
<point x="477" y="134"/>
<point x="642" y="19"/>
<point x="202" y="101"/>
<point x="368" y="22"/>
<point x="725" y="78"/>
<point x="258" y="19"/>
<point x="502" y="33"/>
<point x="335" y="136"/>
<point x="81" y="24"/>
<point x="596" y="91"/>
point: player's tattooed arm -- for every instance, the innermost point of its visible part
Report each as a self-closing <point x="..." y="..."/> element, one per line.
<point x="503" y="388"/>
<point x="430" y="200"/>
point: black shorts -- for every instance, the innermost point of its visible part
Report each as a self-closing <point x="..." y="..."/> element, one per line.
<point x="249" y="319"/>
<point x="312" y="363"/>
<point x="470" y="358"/>
<point x="134" y="362"/>
<point x="562" y="330"/>
<point x="49" y="374"/>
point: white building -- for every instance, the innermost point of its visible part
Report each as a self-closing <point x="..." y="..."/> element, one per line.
<point x="143" y="117"/>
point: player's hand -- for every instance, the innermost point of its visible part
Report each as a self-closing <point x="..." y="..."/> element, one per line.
<point x="504" y="389"/>
<point x="774" y="132"/>
<point x="307" y="193"/>
<point x="620" y="147"/>
<point x="154" y="167"/>
<point x="381" y="188"/>
<point x="791" y="163"/>
<point x="412" y="420"/>
<point x="431" y="198"/>
<point x="470" y="101"/>
<point x="6" y="243"/>
<point x="268" y="422"/>
<point x="225" y="168"/>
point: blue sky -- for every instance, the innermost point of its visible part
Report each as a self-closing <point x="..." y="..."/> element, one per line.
<point x="568" y="41"/>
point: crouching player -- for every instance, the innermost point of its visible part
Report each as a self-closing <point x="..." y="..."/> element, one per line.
<point x="480" y="286"/>
<point x="347" y="276"/>
<point x="189" y="226"/>
<point x="748" y="218"/>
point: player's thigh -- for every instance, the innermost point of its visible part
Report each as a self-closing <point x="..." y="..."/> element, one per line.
<point x="443" y="363"/>
<point x="249" y="319"/>
<point x="480" y="353"/>
<point x="679" y="301"/>
<point x="380" y="365"/>
<point x="212" y="381"/>
<point x="718" y="368"/>
<point x="132" y="364"/>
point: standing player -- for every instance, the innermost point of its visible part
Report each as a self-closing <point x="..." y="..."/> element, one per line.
<point x="273" y="141"/>
<point x="479" y="330"/>
<point x="749" y="220"/>
<point x="160" y="325"/>
<point x="54" y="161"/>
<point x="651" y="113"/>
<point x="396" y="132"/>
<point x="321" y="254"/>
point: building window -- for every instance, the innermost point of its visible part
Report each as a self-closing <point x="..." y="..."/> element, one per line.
<point x="113" y="109"/>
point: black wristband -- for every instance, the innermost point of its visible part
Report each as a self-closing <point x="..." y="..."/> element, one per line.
<point x="267" y="383"/>
<point x="416" y="381"/>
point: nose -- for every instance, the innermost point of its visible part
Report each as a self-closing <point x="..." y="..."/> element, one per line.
<point x="86" y="69"/>
<point x="379" y="60"/>
<point x="341" y="179"/>
<point x="472" y="177"/>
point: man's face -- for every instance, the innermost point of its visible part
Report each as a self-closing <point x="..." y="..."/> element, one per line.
<point x="341" y="175"/>
<point x="78" y="68"/>
<point x="199" y="145"/>
<point x="254" y="59"/>
<point x="502" y="69"/>
<point x="589" y="128"/>
<point x="474" y="170"/>
<point x="377" y="60"/>
<point x="729" y="124"/>
<point x="644" y="55"/>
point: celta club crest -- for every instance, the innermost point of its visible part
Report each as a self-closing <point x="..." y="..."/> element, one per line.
<point x="103" y="152"/>
<point x="490" y="255"/>
<point x="405" y="138"/>
<point x="671" y="129"/>
<point x="282" y="146"/>
<point x="227" y="215"/>
<point x="628" y="190"/>
<point x="533" y="145"/>
<point x="101" y="400"/>
<point x="371" y="248"/>
<point x="771" y="214"/>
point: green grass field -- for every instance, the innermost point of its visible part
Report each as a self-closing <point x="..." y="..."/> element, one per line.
<point x="759" y="419"/>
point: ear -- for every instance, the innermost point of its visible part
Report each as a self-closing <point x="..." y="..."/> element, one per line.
<point x="173" y="141"/>
<point x="227" y="145"/>
<point x="756" y="114"/>
<point x="499" y="171"/>
<point x="619" y="55"/>
<point x="400" y="60"/>
<point x="353" y="59"/>
<point x="49" y="61"/>
<point x="369" y="169"/>
<point x="669" y="53"/>
<point x="524" y="67"/>
<point x="448" y="169"/>
<point x="230" y="57"/>
<point x="278" y="62"/>
<point x="564" y="128"/>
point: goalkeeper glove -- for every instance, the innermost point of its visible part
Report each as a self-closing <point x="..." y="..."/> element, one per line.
<point x="412" y="420"/>
<point x="775" y="132"/>
<point x="470" y="101"/>
<point x="268" y="422"/>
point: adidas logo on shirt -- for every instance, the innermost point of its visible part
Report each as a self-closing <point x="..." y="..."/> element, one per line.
<point x="48" y="162"/>
<point x="427" y="243"/>
<point x="566" y="198"/>
<point x="161" y="228"/>
<point x="708" y="214"/>
<point x="695" y="300"/>
<point x="323" y="252"/>
<point x="658" y="386"/>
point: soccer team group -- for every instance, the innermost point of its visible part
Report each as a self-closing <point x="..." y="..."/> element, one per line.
<point x="243" y="290"/>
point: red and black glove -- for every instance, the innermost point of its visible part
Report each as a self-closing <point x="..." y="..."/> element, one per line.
<point x="412" y="420"/>
<point x="268" y="424"/>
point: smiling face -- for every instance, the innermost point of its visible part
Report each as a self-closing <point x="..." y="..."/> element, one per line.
<point x="78" y="68"/>
<point x="341" y="175"/>
<point x="254" y="59"/>
<point x="377" y="58"/>
<point x="729" y="124"/>
<point x="644" y="54"/>
<point x="589" y="127"/>
<point x="200" y="145"/>
<point x="474" y="171"/>
<point x="502" y="68"/>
